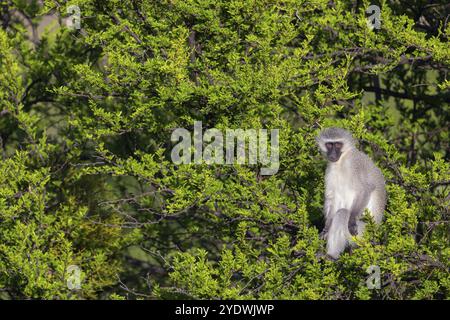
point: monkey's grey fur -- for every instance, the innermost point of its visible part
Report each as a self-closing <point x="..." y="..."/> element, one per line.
<point x="352" y="184"/>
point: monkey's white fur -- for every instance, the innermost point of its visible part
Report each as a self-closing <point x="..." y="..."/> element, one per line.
<point x="352" y="184"/>
<point x="338" y="234"/>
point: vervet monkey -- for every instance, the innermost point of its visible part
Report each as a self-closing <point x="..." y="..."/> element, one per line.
<point x="352" y="184"/>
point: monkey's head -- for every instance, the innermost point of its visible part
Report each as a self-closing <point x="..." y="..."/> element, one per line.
<point x="334" y="142"/>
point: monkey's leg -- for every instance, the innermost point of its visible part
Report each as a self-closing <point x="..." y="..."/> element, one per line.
<point x="338" y="234"/>
<point x="358" y="206"/>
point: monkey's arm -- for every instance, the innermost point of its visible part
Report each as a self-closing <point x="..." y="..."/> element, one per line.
<point x="357" y="209"/>
<point x="328" y="212"/>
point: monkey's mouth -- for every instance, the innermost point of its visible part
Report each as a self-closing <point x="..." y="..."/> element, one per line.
<point x="333" y="159"/>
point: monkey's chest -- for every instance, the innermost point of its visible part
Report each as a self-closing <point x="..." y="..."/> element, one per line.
<point x="340" y="190"/>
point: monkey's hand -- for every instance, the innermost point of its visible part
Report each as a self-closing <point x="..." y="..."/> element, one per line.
<point x="323" y="234"/>
<point x="352" y="227"/>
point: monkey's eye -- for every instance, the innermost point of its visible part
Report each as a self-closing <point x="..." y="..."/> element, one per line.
<point x="329" y="145"/>
<point x="338" y="145"/>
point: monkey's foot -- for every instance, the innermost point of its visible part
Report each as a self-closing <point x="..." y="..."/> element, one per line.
<point x="353" y="228"/>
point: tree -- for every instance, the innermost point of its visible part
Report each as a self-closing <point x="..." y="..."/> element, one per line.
<point x="87" y="129"/>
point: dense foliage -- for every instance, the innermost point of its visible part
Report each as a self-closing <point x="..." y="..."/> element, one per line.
<point x="86" y="177"/>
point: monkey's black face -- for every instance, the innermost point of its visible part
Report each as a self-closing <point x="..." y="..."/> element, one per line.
<point x="334" y="150"/>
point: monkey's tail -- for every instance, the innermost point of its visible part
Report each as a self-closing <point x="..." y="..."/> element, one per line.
<point x="338" y="234"/>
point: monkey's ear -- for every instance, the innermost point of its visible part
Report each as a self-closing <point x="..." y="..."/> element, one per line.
<point x="320" y="143"/>
<point x="317" y="138"/>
